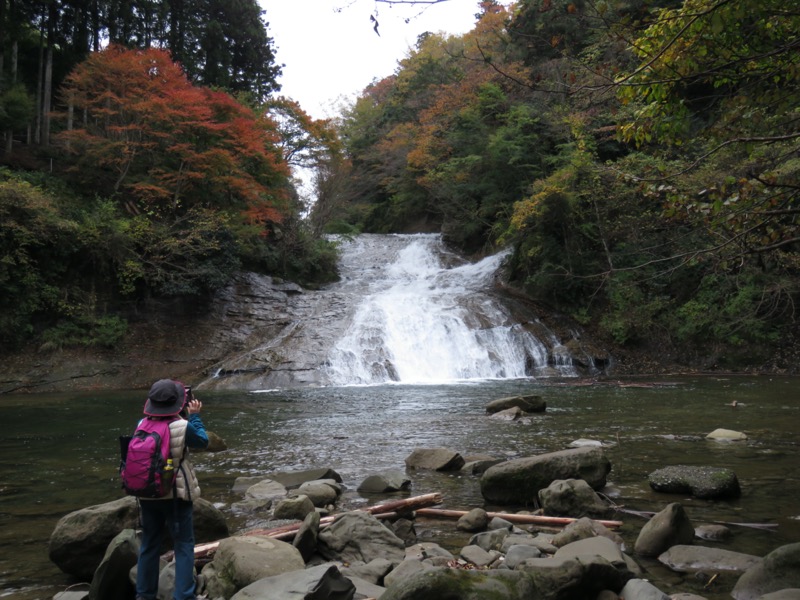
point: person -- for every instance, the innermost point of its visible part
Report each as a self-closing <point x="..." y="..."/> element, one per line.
<point x="167" y="399"/>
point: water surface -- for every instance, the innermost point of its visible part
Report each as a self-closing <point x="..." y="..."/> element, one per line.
<point x="59" y="452"/>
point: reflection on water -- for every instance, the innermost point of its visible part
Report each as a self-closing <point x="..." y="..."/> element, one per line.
<point x="59" y="452"/>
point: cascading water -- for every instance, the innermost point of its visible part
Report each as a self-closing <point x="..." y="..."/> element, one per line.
<point x="425" y="319"/>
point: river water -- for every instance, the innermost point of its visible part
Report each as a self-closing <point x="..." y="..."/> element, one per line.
<point x="59" y="452"/>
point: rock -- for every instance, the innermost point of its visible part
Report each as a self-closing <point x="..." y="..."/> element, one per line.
<point x="406" y="569"/>
<point x="585" y="528"/>
<point x="787" y="594"/>
<point x="296" y="508"/>
<point x="667" y="528"/>
<point x="359" y="536"/>
<point x="478" y="465"/>
<point x="518" y="481"/>
<point x="374" y="571"/>
<point x="111" y="577"/>
<point x="446" y="584"/>
<point x="242" y="560"/>
<point x="435" y="459"/>
<point x="490" y="540"/>
<point x="686" y="597"/>
<point x="779" y="570"/>
<point x="306" y="539"/>
<point x="266" y="489"/>
<point x="713" y="532"/>
<point x="701" y="482"/>
<point x="404" y="529"/>
<point x="726" y="435"/>
<point x="582" y="576"/>
<point x="596" y="546"/>
<point x="321" y="493"/>
<point x="541" y="544"/>
<point x="571" y="498"/>
<point x="688" y="559"/>
<point x="640" y="589"/>
<point x="425" y="550"/>
<point x="528" y="404"/>
<point x="366" y="589"/>
<point x="215" y="443"/>
<point x="582" y="443"/>
<point x="388" y="481"/>
<point x="323" y="582"/>
<point x="80" y="539"/>
<point x="71" y="595"/>
<point x="475" y="520"/>
<point x="520" y="552"/>
<point x="294" y="479"/>
<point x="509" y="414"/>
<point x="477" y="556"/>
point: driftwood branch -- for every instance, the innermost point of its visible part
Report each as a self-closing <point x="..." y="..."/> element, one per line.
<point x="393" y="508"/>
<point x="513" y="518"/>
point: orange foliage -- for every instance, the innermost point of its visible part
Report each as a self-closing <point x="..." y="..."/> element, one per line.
<point x="170" y="144"/>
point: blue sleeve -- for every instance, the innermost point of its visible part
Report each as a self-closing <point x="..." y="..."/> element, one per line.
<point x="196" y="436"/>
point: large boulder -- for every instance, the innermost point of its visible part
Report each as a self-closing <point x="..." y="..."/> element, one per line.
<point x="359" y="536"/>
<point x="779" y="570"/>
<point x="689" y="559"/>
<point x="458" y="584"/>
<point x="111" y="579"/>
<point x="518" y="481"/>
<point x="571" y="498"/>
<point x="669" y="527"/>
<point x="387" y="481"/>
<point x="323" y="582"/>
<point x="528" y="404"/>
<point x="242" y="560"/>
<point x="80" y="538"/>
<point x="699" y="481"/>
<point x="435" y="459"/>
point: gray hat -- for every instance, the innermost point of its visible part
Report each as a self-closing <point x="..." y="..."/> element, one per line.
<point x="165" y="398"/>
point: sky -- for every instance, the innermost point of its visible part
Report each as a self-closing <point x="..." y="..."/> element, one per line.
<point x="330" y="56"/>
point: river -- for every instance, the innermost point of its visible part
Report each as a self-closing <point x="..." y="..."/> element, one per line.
<point x="59" y="451"/>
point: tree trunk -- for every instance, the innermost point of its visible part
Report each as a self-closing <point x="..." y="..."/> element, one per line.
<point x="512" y="517"/>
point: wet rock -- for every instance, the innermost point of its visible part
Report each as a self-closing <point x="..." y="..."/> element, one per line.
<point x="321" y="582"/>
<point x="712" y="532"/>
<point x="518" y="481"/>
<point x="80" y="539"/>
<point x="440" y="583"/>
<point x="435" y="459"/>
<point x="266" y="489"/>
<point x="527" y="404"/>
<point x="388" y="481"/>
<point x="323" y="492"/>
<point x="689" y="559"/>
<point x="509" y="414"/>
<point x="640" y="589"/>
<point x="359" y="536"/>
<point x="111" y="579"/>
<point x="520" y="552"/>
<point x="306" y="539"/>
<point x="779" y="570"/>
<point x="699" y="481"/>
<point x="296" y="508"/>
<point x="667" y="528"/>
<point x="478" y="556"/>
<point x="582" y="529"/>
<point x="571" y="498"/>
<point x="582" y="443"/>
<point x="242" y="560"/>
<point x="294" y="479"/>
<point x="726" y="435"/>
<point x="475" y="520"/>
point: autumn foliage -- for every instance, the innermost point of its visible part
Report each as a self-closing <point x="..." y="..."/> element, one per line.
<point x="145" y="134"/>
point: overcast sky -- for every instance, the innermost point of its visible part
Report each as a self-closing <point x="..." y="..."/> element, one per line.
<point x="329" y="55"/>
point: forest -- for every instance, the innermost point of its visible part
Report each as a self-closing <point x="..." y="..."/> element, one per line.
<point x="641" y="158"/>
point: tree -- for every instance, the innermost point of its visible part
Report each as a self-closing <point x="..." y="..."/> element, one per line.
<point x="162" y="145"/>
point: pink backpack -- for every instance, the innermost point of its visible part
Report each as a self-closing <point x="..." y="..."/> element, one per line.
<point x="145" y="469"/>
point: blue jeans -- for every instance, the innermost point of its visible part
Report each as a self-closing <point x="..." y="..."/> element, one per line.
<point x="175" y="516"/>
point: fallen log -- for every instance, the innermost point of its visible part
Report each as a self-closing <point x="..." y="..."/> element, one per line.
<point x="512" y="517"/>
<point x="395" y="507"/>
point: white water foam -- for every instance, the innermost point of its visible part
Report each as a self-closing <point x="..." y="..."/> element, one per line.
<point x="422" y="321"/>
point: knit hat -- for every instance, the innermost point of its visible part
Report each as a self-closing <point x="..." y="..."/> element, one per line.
<point x="165" y="398"/>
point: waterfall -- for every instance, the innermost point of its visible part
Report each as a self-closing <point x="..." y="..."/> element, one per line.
<point x="425" y="316"/>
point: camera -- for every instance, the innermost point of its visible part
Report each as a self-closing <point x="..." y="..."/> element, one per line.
<point x="189" y="396"/>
